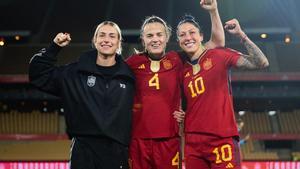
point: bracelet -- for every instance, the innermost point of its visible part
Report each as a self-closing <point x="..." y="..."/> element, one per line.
<point x="243" y="39"/>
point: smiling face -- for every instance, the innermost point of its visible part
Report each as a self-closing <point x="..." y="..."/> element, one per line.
<point x="107" y="40"/>
<point x="155" y="38"/>
<point x="189" y="38"/>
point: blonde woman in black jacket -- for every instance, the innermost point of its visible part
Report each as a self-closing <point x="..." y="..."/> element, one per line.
<point x="97" y="93"/>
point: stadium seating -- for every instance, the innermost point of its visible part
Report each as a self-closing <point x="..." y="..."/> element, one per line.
<point x="34" y="122"/>
<point x="289" y="122"/>
<point x="34" y="150"/>
<point x="258" y="123"/>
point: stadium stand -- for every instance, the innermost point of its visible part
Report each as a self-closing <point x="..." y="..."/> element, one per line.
<point x="289" y="122"/>
<point x="34" y="150"/>
<point x="35" y="122"/>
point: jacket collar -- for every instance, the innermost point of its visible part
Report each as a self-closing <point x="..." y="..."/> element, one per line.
<point x="87" y="63"/>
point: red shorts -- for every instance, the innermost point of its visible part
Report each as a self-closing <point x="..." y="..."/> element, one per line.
<point x="211" y="152"/>
<point x="159" y="153"/>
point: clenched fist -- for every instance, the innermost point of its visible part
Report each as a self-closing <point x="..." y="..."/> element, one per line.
<point x="233" y="27"/>
<point x="209" y="5"/>
<point x="62" y="39"/>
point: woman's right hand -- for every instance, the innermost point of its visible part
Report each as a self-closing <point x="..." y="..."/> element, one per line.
<point x="62" y="39"/>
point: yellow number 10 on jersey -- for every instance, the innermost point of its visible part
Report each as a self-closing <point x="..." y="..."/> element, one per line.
<point x="196" y="87"/>
<point x="154" y="82"/>
<point x="223" y="153"/>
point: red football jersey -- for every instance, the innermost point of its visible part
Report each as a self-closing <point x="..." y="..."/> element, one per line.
<point x="157" y="95"/>
<point x="208" y="92"/>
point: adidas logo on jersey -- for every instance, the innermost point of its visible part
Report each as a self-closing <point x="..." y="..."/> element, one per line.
<point x="229" y="165"/>
<point x="142" y="66"/>
<point x="187" y="74"/>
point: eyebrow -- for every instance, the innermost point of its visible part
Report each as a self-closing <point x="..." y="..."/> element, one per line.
<point x="152" y="33"/>
<point x="110" y="33"/>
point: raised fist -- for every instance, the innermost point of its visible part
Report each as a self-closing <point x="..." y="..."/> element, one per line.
<point x="233" y="27"/>
<point x="62" y="39"/>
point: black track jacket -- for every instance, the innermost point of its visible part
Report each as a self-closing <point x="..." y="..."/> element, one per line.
<point x="94" y="105"/>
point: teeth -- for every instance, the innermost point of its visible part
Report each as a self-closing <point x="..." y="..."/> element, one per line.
<point x="189" y="44"/>
<point x="105" y="45"/>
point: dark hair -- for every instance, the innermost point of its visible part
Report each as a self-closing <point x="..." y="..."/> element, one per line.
<point x="189" y="19"/>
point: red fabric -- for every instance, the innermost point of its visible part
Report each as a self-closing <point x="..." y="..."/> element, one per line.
<point x="211" y="152"/>
<point x="154" y="153"/>
<point x="154" y="105"/>
<point x="208" y="94"/>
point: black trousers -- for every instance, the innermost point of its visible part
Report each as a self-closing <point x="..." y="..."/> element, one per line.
<point x="98" y="153"/>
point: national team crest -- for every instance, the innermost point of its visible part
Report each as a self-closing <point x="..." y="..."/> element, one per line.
<point x="91" y="81"/>
<point x="196" y="68"/>
<point x="207" y="64"/>
<point x="167" y="64"/>
<point x="155" y="66"/>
